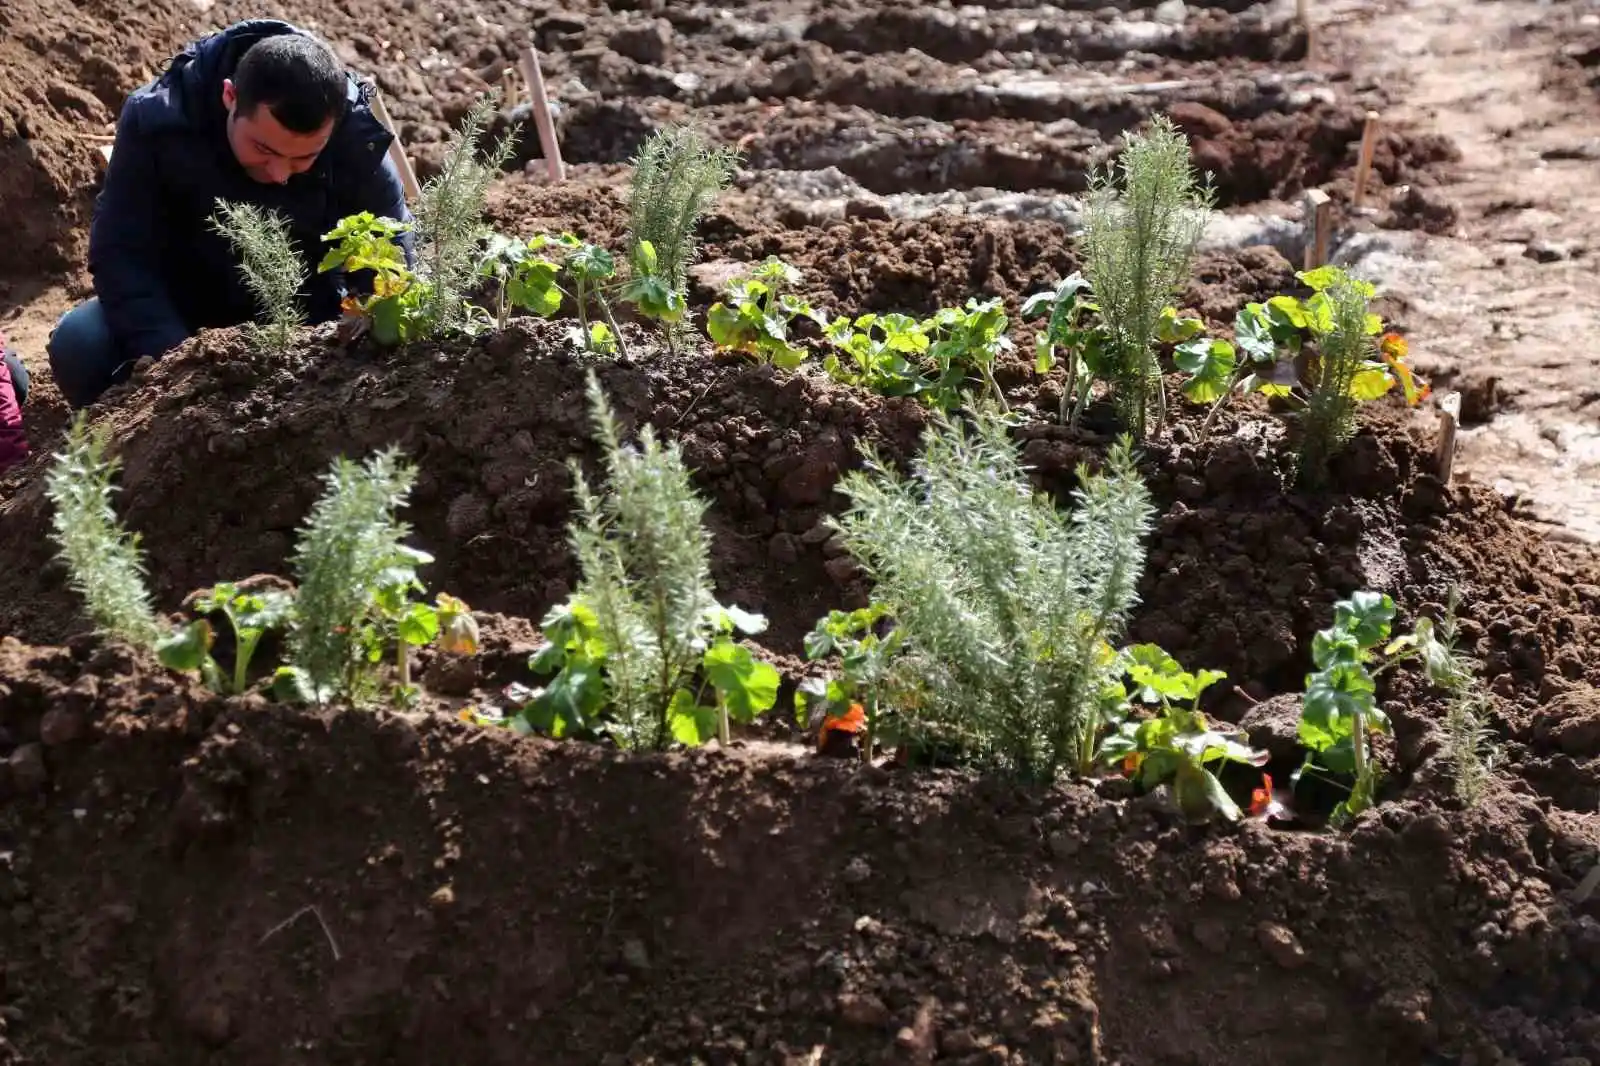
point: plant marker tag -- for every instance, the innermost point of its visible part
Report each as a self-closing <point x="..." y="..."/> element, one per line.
<point x="1319" y="227"/>
<point x="1449" y="418"/>
<point x="1369" y="141"/>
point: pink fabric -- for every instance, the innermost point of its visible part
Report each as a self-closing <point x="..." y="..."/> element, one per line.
<point x="13" y="442"/>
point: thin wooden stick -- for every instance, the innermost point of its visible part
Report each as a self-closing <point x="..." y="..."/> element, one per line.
<point x="1369" y="141"/>
<point x="397" y="151"/>
<point x="1319" y="227"/>
<point x="1449" y="419"/>
<point x="296" y="916"/>
<point x="1586" y="887"/>
<point x="541" y="114"/>
<point x="1302" y="10"/>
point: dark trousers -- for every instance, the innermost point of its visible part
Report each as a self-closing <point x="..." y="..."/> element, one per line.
<point x="19" y="377"/>
<point x="85" y="358"/>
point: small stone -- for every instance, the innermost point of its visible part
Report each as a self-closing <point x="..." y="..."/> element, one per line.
<point x="857" y="871"/>
<point x="646" y="42"/>
<point x="28" y="771"/>
<point x="1281" y="945"/>
<point x="61" y="725"/>
<point x="443" y="897"/>
<point x="835" y="547"/>
<point x="843" y="569"/>
<point x="1543" y="251"/>
<point x="1172" y="12"/>
<point x="636" y="955"/>
<point x="783" y="548"/>
<point x="817" y="534"/>
<point x="867" y="1011"/>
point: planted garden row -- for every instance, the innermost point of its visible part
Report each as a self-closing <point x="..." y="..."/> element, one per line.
<point x="993" y="636"/>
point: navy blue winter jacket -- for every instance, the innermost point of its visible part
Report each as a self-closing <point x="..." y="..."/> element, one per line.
<point x="160" y="271"/>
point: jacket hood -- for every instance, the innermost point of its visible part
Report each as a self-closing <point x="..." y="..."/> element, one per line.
<point x="195" y="75"/>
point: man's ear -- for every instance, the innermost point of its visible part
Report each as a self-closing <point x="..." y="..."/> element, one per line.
<point x="230" y="95"/>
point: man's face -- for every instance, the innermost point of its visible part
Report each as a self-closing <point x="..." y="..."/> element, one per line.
<point x="267" y="151"/>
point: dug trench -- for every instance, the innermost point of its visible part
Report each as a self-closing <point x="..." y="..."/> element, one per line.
<point x="878" y="93"/>
<point x="491" y="899"/>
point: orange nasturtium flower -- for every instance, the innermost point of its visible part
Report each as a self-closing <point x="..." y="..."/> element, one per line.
<point x="852" y="721"/>
<point x="1265" y="802"/>
<point x="1393" y="349"/>
<point x="1261" y="798"/>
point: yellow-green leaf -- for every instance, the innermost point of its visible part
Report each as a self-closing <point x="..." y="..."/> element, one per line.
<point x="1370" y="384"/>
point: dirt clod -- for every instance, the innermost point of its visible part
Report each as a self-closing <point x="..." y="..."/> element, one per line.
<point x="1281" y="945"/>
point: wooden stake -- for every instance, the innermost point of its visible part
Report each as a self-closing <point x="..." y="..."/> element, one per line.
<point x="1319" y="227"/>
<point x="1449" y="418"/>
<point x="1369" y="141"/>
<point x="1302" y="10"/>
<point x="541" y="114"/>
<point x="397" y="151"/>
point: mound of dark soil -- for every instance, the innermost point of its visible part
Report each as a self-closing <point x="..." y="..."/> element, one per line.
<point x="68" y="68"/>
<point x="223" y="452"/>
<point x="186" y="879"/>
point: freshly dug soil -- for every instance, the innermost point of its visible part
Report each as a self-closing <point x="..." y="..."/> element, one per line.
<point x="186" y="878"/>
<point x="903" y="103"/>
<point x="1242" y="572"/>
<point x="752" y="905"/>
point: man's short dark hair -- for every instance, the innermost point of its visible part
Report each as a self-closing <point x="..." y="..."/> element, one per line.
<point x="297" y="76"/>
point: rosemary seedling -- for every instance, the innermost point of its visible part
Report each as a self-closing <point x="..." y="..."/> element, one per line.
<point x="271" y="267"/>
<point x="347" y="553"/>
<point x="449" y="217"/>
<point x="1007" y="604"/>
<point x="676" y="176"/>
<point x="1138" y="243"/>
<point x="103" y="561"/>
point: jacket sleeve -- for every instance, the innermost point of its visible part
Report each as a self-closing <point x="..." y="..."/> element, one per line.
<point x="122" y="239"/>
<point x="13" y="442"/>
